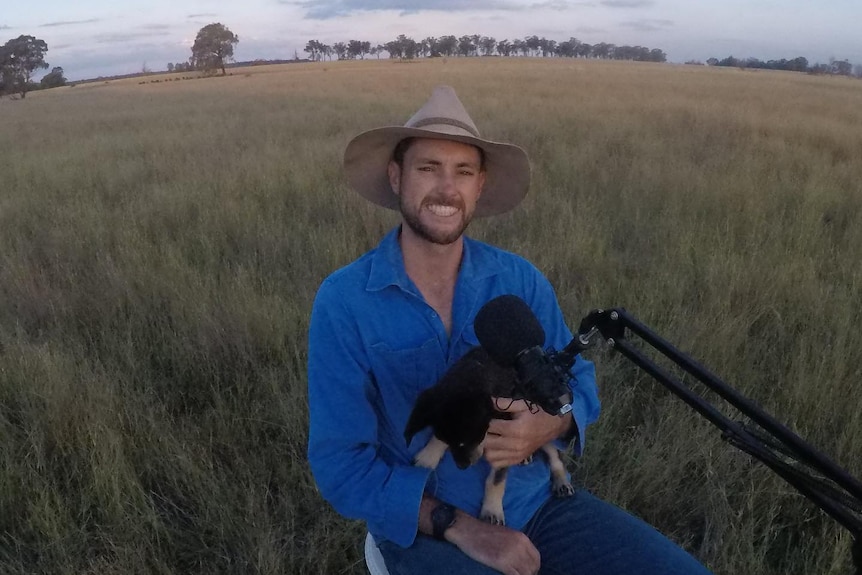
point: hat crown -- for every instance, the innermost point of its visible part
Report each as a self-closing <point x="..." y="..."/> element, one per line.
<point x="442" y="112"/>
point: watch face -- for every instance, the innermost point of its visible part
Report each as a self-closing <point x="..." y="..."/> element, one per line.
<point x="442" y="519"/>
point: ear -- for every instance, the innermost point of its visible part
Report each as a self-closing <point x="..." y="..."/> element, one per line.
<point x="421" y="416"/>
<point x="394" y="173"/>
<point x="482" y="177"/>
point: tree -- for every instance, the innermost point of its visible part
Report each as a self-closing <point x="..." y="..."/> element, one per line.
<point x="488" y="45"/>
<point x="19" y="58"/>
<point x="314" y="49"/>
<point x="340" y="49"/>
<point x="447" y="45"/>
<point x="213" y="46"/>
<point x="466" y="47"/>
<point x="54" y="79"/>
<point x="354" y="49"/>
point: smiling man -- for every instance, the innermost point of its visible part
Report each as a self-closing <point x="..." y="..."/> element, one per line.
<point x="389" y="325"/>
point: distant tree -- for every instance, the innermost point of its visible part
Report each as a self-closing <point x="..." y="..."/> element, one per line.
<point x="409" y="46"/>
<point x="657" y="55"/>
<point x="504" y="48"/>
<point x="394" y="48"/>
<point x="819" y="69"/>
<point x="532" y="44"/>
<point x="54" y="79"/>
<point x="448" y="45"/>
<point x="19" y="58"/>
<point x="841" y="67"/>
<point x="712" y="62"/>
<point x="340" y="49"/>
<point x="466" y="47"/>
<point x="799" y="64"/>
<point x="430" y="47"/>
<point x="213" y="46"/>
<point x="170" y="66"/>
<point x="314" y="49"/>
<point x="354" y="49"/>
<point x="488" y="45"/>
<point x="603" y="50"/>
<point x="569" y="48"/>
<point x="857" y="70"/>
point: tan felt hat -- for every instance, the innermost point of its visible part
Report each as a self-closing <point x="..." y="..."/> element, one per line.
<point x="507" y="167"/>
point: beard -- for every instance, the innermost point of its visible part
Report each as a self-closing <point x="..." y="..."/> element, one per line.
<point x="440" y="237"/>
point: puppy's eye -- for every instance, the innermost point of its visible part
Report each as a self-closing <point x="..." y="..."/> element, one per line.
<point x="462" y="444"/>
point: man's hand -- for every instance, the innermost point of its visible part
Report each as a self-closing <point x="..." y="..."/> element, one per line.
<point x="509" y="442"/>
<point x="501" y="548"/>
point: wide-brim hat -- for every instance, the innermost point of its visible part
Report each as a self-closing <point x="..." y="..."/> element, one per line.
<point x="367" y="157"/>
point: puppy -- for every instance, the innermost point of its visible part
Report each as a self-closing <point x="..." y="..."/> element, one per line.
<point x="459" y="409"/>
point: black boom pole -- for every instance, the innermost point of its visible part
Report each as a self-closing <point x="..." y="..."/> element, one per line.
<point x="809" y="471"/>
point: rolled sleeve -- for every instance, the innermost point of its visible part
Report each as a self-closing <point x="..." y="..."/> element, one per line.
<point x="343" y="449"/>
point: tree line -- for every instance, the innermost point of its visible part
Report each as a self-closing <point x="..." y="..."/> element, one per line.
<point x="20" y="58"/>
<point x="405" y="48"/>
<point x="799" y="64"/>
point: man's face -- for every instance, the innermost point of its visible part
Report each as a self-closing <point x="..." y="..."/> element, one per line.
<point x="438" y="188"/>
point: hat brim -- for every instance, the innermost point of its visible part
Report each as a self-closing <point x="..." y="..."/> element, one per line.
<point x="367" y="157"/>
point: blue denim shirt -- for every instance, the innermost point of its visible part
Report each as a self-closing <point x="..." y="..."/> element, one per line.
<point x="374" y="345"/>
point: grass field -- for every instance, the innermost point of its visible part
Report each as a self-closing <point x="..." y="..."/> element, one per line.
<point x="161" y="243"/>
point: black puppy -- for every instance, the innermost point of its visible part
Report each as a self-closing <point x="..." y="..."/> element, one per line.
<point x="459" y="408"/>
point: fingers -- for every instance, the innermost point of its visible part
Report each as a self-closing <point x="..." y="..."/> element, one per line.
<point x="509" y="405"/>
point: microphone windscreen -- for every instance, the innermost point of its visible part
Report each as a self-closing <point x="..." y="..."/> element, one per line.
<point x="506" y="326"/>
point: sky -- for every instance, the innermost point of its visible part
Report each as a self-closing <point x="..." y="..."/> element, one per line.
<point x="91" y="38"/>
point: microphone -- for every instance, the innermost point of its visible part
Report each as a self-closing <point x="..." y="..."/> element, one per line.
<point x="509" y="331"/>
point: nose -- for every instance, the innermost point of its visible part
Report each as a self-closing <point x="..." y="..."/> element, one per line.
<point x="446" y="182"/>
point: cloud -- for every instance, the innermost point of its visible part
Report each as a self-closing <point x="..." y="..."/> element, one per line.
<point x="5" y="27"/>
<point x="69" y="23"/>
<point x="648" y="25"/>
<point x="627" y="3"/>
<point x="125" y="38"/>
<point x="204" y="15"/>
<point x="558" y="5"/>
<point x="157" y="27"/>
<point x="325" y="9"/>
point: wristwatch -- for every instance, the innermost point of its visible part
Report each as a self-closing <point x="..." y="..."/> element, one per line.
<point x="442" y="518"/>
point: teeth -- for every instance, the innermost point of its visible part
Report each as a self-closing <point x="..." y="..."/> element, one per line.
<point x="443" y="211"/>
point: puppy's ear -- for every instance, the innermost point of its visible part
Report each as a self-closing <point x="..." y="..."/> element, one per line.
<point x="422" y="415"/>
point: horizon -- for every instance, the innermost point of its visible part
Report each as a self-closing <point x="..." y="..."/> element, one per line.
<point x="95" y="39"/>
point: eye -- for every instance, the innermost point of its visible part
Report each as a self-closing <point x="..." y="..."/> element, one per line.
<point x="462" y="444"/>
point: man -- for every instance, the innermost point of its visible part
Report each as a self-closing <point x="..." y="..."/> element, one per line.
<point x="388" y="326"/>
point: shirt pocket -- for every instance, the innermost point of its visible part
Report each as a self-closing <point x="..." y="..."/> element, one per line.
<point x="400" y="375"/>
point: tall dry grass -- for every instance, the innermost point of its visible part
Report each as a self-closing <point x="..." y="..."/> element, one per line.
<point x="160" y="246"/>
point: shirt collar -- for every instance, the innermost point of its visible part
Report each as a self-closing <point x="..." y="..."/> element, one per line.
<point x="387" y="264"/>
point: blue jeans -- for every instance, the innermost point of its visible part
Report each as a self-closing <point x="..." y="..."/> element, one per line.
<point x="580" y="535"/>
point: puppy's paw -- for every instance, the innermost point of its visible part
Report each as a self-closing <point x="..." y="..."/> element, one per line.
<point x="426" y="459"/>
<point x="492" y="517"/>
<point x="563" y="489"/>
<point x="430" y="455"/>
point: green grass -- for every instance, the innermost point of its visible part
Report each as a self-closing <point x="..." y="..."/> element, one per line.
<point x="160" y="246"/>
